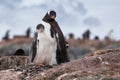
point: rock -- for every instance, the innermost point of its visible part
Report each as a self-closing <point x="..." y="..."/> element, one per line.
<point x="112" y="45"/>
<point x="8" y="48"/>
<point x="95" y="67"/>
<point x="101" y="65"/>
<point x="9" y="62"/>
<point x="10" y="75"/>
<point x="77" y="53"/>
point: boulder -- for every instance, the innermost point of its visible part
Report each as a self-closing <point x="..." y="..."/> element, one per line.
<point x="9" y="62"/>
<point x="105" y="66"/>
<point x="99" y="65"/>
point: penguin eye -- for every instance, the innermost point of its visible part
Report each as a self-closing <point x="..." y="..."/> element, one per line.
<point x="38" y="27"/>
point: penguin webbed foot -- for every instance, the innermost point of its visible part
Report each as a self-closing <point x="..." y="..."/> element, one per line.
<point x="39" y="65"/>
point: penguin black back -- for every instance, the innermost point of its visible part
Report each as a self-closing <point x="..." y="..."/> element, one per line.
<point x="61" y="52"/>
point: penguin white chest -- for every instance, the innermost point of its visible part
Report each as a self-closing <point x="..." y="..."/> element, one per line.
<point x="46" y="50"/>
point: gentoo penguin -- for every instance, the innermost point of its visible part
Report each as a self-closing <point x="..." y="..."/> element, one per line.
<point x="43" y="51"/>
<point x="55" y="32"/>
<point x="49" y="46"/>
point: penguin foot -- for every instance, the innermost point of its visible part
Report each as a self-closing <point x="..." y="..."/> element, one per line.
<point x="40" y="65"/>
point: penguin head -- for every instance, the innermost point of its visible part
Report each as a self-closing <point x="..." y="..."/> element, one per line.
<point x="19" y="52"/>
<point x="40" y="28"/>
<point x="50" y="16"/>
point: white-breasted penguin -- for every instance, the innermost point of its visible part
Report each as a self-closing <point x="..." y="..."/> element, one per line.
<point x="43" y="50"/>
<point x="49" y="46"/>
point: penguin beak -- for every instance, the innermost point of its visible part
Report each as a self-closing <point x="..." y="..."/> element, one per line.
<point x="40" y="30"/>
<point x="52" y="17"/>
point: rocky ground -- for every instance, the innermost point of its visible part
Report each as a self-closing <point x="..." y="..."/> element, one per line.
<point x="99" y="65"/>
<point x="85" y="62"/>
<point x="77" y="49"/>
<point x="8" y="48"/>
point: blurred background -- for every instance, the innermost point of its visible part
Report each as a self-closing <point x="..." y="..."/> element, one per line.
<point x="88" y="25"/>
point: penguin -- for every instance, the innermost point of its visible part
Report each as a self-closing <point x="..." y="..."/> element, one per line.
<point x="49" y="45"/>
<point x="55" y="32"/>
<point x="43" y="50"/>
<point x="19" y="52"/>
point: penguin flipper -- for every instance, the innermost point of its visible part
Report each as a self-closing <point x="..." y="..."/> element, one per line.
<point x="34" y="48"/>
<point x="33" y="51"/>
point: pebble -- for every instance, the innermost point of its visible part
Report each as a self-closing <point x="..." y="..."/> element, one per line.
<point x="31" y="70"/>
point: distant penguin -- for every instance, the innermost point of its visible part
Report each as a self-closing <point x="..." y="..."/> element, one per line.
<point x="19" y="52"/>
<point x="43" y="50"/>
<point x="54" y="31"/>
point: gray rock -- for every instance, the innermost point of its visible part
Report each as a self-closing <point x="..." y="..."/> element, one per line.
<point x="77" y="53"/>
